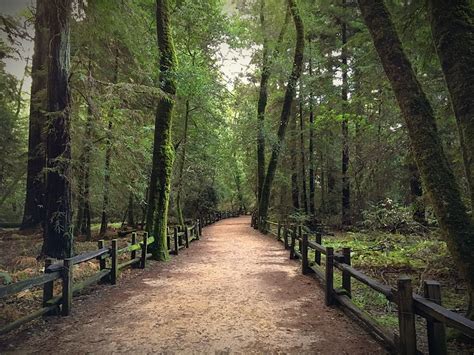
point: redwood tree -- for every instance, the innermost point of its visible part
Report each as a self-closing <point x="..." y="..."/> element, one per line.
<point x="163" y="152"/>
<point x="58" y="226"/>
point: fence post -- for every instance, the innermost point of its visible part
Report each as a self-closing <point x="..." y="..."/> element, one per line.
<point x="133" y="254"/>
<point x="304" y="251"/>
<point x="186" y="236"/>
<point x="114" y="267"/>
<point x="200" y="227"/>
<point x="279" y="231"/>
<point x="317" y="253"/>
<point x="67" y="287"/>
<point x="285" y="236"/>
<point x="406" y="317"/>
<point x="176" y="241"/>
<point x="300" y="235"/>
<point x="346" y="276"/>
<point x="329" y="276"/>
<point x="196" y="230"/>
<point x="168" y="239"/>
<point x="144" y="250"/>
<point x="101" y="245"/>
<point x="48" y="287"/>
<point x="436" y="330"/>
<point x="292" y="245"/>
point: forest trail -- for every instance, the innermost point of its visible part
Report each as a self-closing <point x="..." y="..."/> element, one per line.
<point x="233" y="291"/>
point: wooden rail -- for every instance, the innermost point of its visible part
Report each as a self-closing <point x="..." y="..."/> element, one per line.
<point x="63" y="270"/>
<point x="408" y="304"/>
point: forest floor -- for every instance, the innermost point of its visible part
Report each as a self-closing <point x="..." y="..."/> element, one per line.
<point x="233" y="291"/>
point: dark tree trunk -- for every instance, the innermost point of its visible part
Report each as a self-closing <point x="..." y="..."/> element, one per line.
<point x="452" y="25"/>
<point x="34" y="208"/>
<point x="437" y="176"/>
<point x="295" y="191"/>
<point x="108" y="157"/>
<point x="58" y="234"/>
<point x="416" y="192"/>
<point x="346" y="192"/>
<point x="160" y="179"/>
<point x="312" y="208"/>
<point x="304" y="196"/>
<point x="130" y="211"/>
<point x="286" y="110"/>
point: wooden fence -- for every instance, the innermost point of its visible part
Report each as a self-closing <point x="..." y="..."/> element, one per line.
<point x="109" y="267"/>
<point x="299" y="241"/>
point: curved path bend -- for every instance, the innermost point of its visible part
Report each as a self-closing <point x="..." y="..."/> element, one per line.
<point x="233" y="291"/>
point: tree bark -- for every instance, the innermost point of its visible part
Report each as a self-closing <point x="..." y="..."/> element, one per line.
<point x="295" y="191"/>
<point x="346" y="192"/>
<point x="312" y="208"/>
<point x="286" y="110"/>
<point x="416" y="192"/>
<point x="452" y="26"/>
<point x="163" y="152"/>
<point x="304" y="199"/>
<point x="34" y="208"/>
<point x="58" y="234"/>
<point x="437" y="176"/>
<point x="130" y="211"/>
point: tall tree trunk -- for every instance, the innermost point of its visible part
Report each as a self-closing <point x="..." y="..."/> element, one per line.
<point x="179" y="209"/>
<point x="452" y="25"/>
<point x="34" y="210"/>
<point x="346" y="192"/>
<point x="58" y="227"/>
<point x="160" y="179"/>
<point x="312" y="208"/>
<point x="108" y="157"/>
<point x="130" y="211"/>
<point x="433" y="165"/>
<point x="267" y="60"/>
<point x="304" y="199"/>
<point x="293" y="143"/>
<point x="286" y="110"/>
<point x="105" y="199"/>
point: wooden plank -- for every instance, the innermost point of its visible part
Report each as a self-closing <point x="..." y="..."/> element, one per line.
<point x="144" y="250"/>
<point x="129" y="262"/>
<point x="133" y="253"/>
<point x="16" y="287"/>
<point x="436" y="330"/>
<point x="372" y="326"/>
<point x="374" y="284"/>
<point x="318" y="273"/>
<point x="304" y="255"/>
<point x="101" y="245"/>
<point x="297" y="255"/>
<point x="48" y="287"/>
<point x="346" y="276"/>
<point x="88" y="256"/>
<point x="317" y="254"/>
<point x="406" y="317"/>
<point x="317" y="247"/>
<point x="98" y="276"/>
<point x="429" y="309"/>
<point x="40" y="312"/>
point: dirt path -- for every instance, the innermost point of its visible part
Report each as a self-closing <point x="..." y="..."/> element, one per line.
<point x="234" y="291"/>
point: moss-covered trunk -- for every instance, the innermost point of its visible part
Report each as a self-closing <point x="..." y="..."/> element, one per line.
<point x="433" y="165"/>
<point x="33" y="212"/>
<point x="452" y="26"/>
<point x="163" y="151"/>
<point x="179" y="209"/>
<point x="286" y="110"/>
<point x="311" y="158"/>
<point x="58" y="226"/>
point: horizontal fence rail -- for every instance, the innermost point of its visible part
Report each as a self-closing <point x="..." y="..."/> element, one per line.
<point x="178" y="237"/>
<point x="296" y="238"/>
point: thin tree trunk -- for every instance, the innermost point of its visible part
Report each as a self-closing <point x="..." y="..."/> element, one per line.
<point x="452" y="26"/>
<point x="286" y="110"/>
<point x="437" y="176"/>
<point x="108" y="157"/>
<point x="295" y="191"/>
<point x="34" y="211"/>
<point x="346" y="192"/>
<point x="312" y="208"/>
<point x="58" y="227"/>
<point x="160" y="179"/>
<point x="179" y="209"/>
<point x="304" y="199"/>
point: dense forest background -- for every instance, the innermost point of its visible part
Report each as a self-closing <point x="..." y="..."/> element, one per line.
<point x="353" y="158"/>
